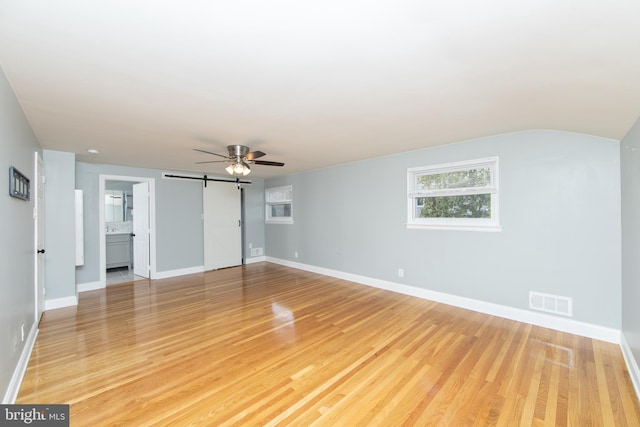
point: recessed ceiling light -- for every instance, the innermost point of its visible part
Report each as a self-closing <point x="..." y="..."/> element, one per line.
<point x="93" y="151"/>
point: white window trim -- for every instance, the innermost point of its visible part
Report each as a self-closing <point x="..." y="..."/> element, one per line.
<point x="267" y="205"/>
<point x="463" y="224"/>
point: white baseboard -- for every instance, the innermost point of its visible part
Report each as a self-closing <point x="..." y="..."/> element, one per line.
<point x="52" y="304"/>
<point x="90" y="286"/>
<point x="180" y="272"/>
<point x="255" y="259"/>
<point x="18" y="373"/>
<point x="539" y="319"/>
<point x="632" y="364"/>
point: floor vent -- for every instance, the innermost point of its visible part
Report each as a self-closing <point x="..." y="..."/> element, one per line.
<point x="551" y="303"/>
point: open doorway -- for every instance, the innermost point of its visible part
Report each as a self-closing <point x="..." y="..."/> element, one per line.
<point x="127" y="229"/>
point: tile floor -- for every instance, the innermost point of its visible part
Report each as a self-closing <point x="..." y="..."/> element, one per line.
<point x="121" y="275"/>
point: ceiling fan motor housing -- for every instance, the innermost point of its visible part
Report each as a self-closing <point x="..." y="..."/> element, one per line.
<point x="238" y="150"/>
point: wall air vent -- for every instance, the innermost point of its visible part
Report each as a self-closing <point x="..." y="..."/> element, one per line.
<point x="551" y="303"/>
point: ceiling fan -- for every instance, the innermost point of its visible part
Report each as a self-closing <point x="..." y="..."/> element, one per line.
<point x="239" y="159"/>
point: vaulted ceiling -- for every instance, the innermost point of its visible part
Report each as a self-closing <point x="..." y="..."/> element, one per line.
<point x="314" y="84"/>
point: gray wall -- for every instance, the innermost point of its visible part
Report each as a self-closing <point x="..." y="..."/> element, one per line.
<point x="17" y="305"/>
<point x="60" y="279"/>
<point x="254" y="216"/>
<point x="630" y="165"/>
<point x="178" y="219"/>
<point x="179" y="241"/>
<point x="559" y="206"/>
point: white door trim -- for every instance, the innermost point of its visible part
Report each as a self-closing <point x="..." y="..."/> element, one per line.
<point x="152" y="222"/>
<point x="39" y="214"/>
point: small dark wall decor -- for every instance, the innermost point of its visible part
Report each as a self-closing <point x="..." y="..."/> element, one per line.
<point x="18" y="184"/>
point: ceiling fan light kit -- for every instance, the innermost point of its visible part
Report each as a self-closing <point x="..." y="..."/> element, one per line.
<point x="239" y="158"/>
<point x="238" y="168"/>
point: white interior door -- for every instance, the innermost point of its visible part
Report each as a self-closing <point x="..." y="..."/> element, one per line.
<point x="222" y="225"/>
<point x="38" y="217"/>
<point x="141" y="232"/>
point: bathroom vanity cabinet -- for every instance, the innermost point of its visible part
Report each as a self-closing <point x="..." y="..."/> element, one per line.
<point x="118" y="250"/>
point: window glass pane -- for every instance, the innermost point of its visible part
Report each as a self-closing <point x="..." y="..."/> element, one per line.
<point x="477" y="177"/>
<point x="279" y="204"/>
<point x="280" y="211"/>
<point x="282" y="195"/>
<point x="467" y="206"/>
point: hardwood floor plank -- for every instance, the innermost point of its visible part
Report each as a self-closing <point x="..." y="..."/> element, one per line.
<point x="269" y="345"/>
<point x="553" y="391"/>
<point x="601" y="386"/>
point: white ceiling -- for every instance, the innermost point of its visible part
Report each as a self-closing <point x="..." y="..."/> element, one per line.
<point x="314" y="84"/>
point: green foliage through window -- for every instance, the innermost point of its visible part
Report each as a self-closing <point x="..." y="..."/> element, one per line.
<point x="479" y="177"/>
<point x="467" y="206"/>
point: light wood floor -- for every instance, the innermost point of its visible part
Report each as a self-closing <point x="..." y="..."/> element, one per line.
<point x="270" y="345"/>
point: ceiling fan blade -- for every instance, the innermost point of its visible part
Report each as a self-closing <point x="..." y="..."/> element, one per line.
<point x="266" y="163"/>
<point x="212" y="161"/>
<point x="209" y="152"/>
<point x="255" y="154"/>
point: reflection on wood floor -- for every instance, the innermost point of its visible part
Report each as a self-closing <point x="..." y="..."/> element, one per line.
<point x="270" y="345"/>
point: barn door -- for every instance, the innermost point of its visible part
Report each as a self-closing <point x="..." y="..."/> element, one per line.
<point x="222" y="225"/>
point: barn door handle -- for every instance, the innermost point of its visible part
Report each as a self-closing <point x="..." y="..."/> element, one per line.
<point x="40" y="251"/>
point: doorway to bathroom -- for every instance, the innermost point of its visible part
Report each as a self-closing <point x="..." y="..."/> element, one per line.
<point x="127" y="229"/>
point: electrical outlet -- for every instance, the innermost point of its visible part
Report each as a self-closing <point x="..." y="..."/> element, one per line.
<point x="257" y="252"/>
<point x="400" y="272"/>
<point x="22" y="332"/>
<point x="295" y="254"/>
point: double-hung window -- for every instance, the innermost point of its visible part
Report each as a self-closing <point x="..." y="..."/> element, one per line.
<point x="279" y="205"/>
<point x="462" y="195"/>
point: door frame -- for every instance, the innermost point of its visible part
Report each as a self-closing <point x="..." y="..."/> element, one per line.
<point x="39" y="217"/>
<point x="243" y="235"/>
<point x="152" y="222"/>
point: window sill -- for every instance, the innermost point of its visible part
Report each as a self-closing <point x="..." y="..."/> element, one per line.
<point x="465" y="227"/>
<point x="279" y="222"/>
